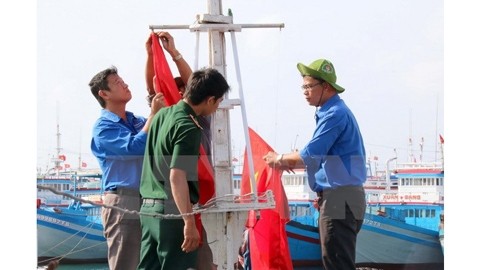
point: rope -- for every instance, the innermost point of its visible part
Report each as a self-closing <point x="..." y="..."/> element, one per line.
<point x="197" y="209"/>
<point x="73" y="250"/>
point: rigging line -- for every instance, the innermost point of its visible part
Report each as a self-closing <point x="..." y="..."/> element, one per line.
<point x="72" y="250"/>
<point x="236" y="198"/>
<point x="70" y="253"/>
<point x="80" y="250"/>
<point x="277" y="82"/>
<point x="166" y="216"/>
<point x="90" y="225"/>
<point x="197" y="209"/>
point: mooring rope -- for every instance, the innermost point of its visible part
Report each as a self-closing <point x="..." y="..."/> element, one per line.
<point x="197" y="209"/>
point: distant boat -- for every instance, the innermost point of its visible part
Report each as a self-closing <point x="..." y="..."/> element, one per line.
<point x="61" y="177"/>
<point x="69" y="230"/>
<point x="401" y="226"/>
<point x="75" y="183"/>
<point x="398" y="229"/>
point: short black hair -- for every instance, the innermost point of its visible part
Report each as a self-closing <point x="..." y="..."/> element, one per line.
<point x="100" y="82"/>
<point x="205" y="83"/>
<point x="179" y="82"/>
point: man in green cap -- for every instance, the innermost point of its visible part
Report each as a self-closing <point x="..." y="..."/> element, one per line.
<point x="169" y="183"/>
<point x="335" y="163"/>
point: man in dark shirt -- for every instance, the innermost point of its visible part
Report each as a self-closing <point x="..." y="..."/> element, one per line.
<point x="169" y="177"/>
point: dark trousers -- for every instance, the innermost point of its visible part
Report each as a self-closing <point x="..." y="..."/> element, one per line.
<point x="341" y="216"/>
<point x="162" y="239"/>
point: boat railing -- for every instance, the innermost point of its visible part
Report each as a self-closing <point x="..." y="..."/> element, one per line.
<point x="412" y="165"/>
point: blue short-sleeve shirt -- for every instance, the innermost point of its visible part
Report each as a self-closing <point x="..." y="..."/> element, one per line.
<point x="335" y="156"/>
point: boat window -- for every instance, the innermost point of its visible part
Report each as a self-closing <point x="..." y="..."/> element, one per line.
<point x="293" y="211"/>
<point x="430" y="213"/>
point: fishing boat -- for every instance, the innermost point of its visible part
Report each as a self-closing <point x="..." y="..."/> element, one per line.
<point x="75" y="183"/>
<point x="69" y="230"/>
<point x="401" y="226"/>
<point x="73" y="233"/>
<point x="62" y="177"/>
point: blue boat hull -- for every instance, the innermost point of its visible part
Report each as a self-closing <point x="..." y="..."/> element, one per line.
<point x="72" y="236"/>
<point x="381" y="243"/>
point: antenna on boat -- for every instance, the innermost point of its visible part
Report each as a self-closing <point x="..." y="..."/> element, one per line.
<point x="294" y="146"/>
<point x="387" y="172"/>
<point x="57" y="160"/>
<point x="410" y="150"/>
<point x="421" y="149"/>
<point x="369" y="167"/>
<point x="436" y="132"/>
<point x="441" y="152"/>
<point x="396" y="155"/>
<point x="80" y="152"/>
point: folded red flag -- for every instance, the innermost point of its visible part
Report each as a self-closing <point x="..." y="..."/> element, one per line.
<point x="268" y="240"/>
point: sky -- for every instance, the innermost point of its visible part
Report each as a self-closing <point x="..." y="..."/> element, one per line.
<point x="389" y="55"/>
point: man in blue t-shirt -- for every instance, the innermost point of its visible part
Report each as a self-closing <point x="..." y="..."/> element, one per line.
<point x="118" y="143"/>
<point x="335" y="163"/>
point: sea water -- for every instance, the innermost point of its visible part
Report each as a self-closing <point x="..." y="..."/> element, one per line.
<point x="99" y="266"/>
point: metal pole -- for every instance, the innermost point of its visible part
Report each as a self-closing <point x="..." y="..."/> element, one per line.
<point x="253" y="185"/>
<point x="206" y="25"/>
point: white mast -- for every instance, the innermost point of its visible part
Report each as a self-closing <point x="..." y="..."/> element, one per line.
<point x="421" y="150"/>
<point x="387" y="172"/>
<point x="226" y="221"/>
<point x="56" y="159"/>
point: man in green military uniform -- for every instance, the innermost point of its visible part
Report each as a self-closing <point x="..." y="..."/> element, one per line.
<point x="169" y="177"/>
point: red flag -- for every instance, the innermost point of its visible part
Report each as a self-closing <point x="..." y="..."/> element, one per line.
<point x="67" y="166"/>
<point x="164" y="81"/>
<point x="441" y="139"/>
<point x="268" y="241"/>
<point x="62" y="157"/>
<point x="84" y="164"/>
